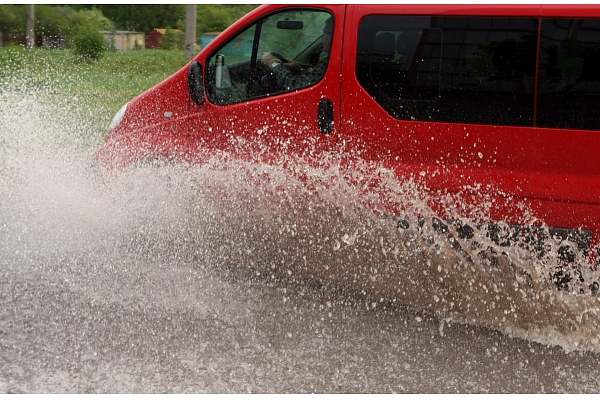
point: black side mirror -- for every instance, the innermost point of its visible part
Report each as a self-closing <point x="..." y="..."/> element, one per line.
<point x="195" y="83"/>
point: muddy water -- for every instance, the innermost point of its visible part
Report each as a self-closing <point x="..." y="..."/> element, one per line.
<point x="198" y="279"/>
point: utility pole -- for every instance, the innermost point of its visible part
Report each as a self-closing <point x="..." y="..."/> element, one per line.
<point x="190" y="31"/>
<point x="30" y="31"/>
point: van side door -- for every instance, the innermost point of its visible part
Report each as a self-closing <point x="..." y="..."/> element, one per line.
<point x="273" y="86"/>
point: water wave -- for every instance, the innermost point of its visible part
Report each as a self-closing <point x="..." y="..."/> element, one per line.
<point x="313" y="224"/>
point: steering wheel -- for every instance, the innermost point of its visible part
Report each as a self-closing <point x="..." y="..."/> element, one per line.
<point x="279" y="56"/>
<point x="265" y="81"/>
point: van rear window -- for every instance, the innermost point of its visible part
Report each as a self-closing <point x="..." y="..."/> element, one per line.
<point x="482" y="70"/>
<point x="476" y="70"/>
<point x="569" y="77"/>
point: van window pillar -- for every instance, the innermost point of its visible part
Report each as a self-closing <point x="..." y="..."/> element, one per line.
<point x="254" y="56"/>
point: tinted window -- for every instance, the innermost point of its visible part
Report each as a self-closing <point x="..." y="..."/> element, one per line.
<point x="236" y="73"/>
<point x="569" y="80"/>
<point x="450" y="69"/>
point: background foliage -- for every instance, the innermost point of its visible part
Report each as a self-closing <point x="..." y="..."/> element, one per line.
<point x="116" y="77"/>
<point x="65" y="20"/>
<point x="88" y="44"/>
<point x="53" y="20"/>
<point x="173" y="40"/>
<point x="90" y="91"/>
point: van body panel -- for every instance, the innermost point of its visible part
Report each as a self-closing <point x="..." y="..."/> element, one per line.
<point x="570" y="11"/>
<point x="554" y="172"/>
<point x="517" y="172"/>
<point x="447" y="9"/>
<point x="504" y="10"/>
<point x="154" y="126"/>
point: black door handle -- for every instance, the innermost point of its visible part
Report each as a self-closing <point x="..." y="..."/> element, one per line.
<point x="326" y="116"/>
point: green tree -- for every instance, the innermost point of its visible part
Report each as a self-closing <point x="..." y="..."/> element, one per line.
<point x="84" y="29"/>
<point x="173" y="40"/>
<point x="143" y="17"/>
<point x="212" y="17"/>
<point x="88" y="43"/>
<point x="51" y="20"/>
<point x="217" y="17"/>
<point x="12" y="18"/>
<point x="237" y="11"/>
<point x="87" y="20"/>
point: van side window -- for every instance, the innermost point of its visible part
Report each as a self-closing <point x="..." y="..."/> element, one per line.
<point x="477" y="70"/>
<point x="569" y="78"/>
<point x="237" y="71"/>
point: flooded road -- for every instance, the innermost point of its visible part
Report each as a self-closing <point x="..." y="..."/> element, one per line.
<point x="130" y="323"/>
<point x="152" y="283"/>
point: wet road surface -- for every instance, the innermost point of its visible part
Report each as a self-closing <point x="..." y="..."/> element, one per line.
<point x="137" y="323"/>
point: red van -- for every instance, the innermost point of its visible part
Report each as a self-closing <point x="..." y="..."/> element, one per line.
<point x="494" y="104"/>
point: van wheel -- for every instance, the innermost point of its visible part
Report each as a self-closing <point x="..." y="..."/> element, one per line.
<point x="158" y="168"/>
<point x="571" y="280"/>
<point x="154" y="162"/>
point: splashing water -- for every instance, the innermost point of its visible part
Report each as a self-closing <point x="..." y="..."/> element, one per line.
<point x="330" y="235"/>
<point x="266" y="220"/>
